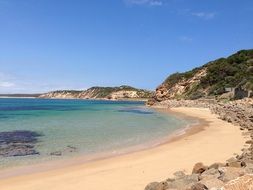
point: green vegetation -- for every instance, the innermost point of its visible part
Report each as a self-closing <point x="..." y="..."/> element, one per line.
<point x="68" y="91"/>
<point x="177" y="77"/>
<point x="231" y="72"/>
<point x="99" y="93"/>
<point x="234" y="71"/>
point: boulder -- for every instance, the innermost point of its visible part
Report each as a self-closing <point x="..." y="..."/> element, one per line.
<point x="217" y="165"/>
<point x="243" y="164"/>
<point x="232" y="159"/>
<point x="249" y="142"/>
<point x="152" y="186"/>
<point x="209" y="174"/>
<point x="242" y="183"/>
<point x="170" y="180"/>
<point x="179" y="174"/>
<point x="184" y="182"/>
<point x="249" y="168"/>
<point x="233" y="162"/>
<point x="151" y="102"/>
<point x="199" y="168"/>
<point x="198" y="186"/>
<point x="161" y="93"/>
<point x="212" y="183"/>
<point x="230" y="173"/>
<point x="156" y="186"/>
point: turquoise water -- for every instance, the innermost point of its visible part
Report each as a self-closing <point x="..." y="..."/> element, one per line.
<point x="90" y="127"/>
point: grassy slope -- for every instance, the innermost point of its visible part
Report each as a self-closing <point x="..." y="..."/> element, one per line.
<point x="103" y="92"/>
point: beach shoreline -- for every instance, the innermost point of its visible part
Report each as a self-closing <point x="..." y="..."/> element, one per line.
<point x="144" y="166"/>
<point x="47" y="165"/>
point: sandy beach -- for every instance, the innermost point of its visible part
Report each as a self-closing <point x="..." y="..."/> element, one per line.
<point x="216" y="142"/>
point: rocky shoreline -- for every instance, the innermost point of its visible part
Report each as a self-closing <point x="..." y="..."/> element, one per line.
<point x="234" y="174"/>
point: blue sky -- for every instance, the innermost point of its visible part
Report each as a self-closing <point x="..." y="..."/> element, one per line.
<point x="75" y="44"/>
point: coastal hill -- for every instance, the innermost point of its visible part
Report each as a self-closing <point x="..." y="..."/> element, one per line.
<point x="213" y="79"/>
<point x="109" y="93"/>
<point x="224" y="88"/>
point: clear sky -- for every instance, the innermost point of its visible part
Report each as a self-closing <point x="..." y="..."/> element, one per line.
<point x="75" y="44"/>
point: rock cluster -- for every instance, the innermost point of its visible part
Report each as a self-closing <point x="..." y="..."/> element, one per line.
<point x="68" y="149"/>
<point x="236" y="113"/>
<point x="241" y="114"/>
<point x="18" y="143"/>
<point x="200" y="103"/>
<point x="218" y="176"/>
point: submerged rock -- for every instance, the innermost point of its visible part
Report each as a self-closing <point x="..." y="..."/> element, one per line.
<point x="56" y="153"/>
<point x="71" y="148"/>
<point x="17" y="150"/>
<point x="68" y="149"/>
<point x="18" y="143"/>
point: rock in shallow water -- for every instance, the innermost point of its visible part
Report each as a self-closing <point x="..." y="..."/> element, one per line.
<point x="18" y="143"/>
<point x="68" y="149"/>
<point x="56" y="153"/>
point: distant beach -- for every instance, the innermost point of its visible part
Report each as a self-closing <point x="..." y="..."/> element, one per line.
<point x="15" y="97"/>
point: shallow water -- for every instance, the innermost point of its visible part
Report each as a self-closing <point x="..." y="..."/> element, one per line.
<point x="83" y="127"/>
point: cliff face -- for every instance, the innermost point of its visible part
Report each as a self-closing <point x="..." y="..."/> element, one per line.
<point x="64" y="94"/>
<point x="110" y="93"/>
<point x="212" y="79"/>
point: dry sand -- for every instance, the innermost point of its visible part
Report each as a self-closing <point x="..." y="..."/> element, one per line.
<point x="217" y="142"/>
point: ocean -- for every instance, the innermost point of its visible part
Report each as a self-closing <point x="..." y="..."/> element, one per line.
<point x="60" y="129"/>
